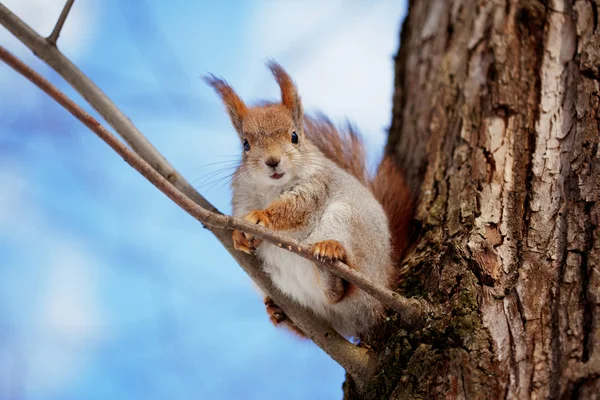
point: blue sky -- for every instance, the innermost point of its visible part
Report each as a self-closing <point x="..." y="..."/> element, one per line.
<point x="107" y="289"/>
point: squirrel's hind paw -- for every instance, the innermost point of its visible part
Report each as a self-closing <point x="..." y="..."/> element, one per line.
<point x="279" y="319"/>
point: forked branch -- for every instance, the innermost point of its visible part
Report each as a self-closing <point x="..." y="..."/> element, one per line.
<point x="60" y="23"/>
<point x="359" y="362"/>
<point x="412" y="311"/>
<point x="152" y="165"/>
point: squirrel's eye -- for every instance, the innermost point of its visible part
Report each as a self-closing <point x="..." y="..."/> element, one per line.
<point x="246" y="145"/>
<point x="294" y="137"/>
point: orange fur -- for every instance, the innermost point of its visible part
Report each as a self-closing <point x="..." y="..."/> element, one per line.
<point x="390" y="188"/>
<point x="334" y="288"/>
<point x="329" y="250"/>
<point x="246" y="242"/>
<point x="289" y="94"/>
<point x="289" y="212"/>
<point x="242" y="243"/>
<point x="235" y="106"/>
<point x="259" y="217"/>
<point x="278" y="318"/>
<point x="345" y="148"/>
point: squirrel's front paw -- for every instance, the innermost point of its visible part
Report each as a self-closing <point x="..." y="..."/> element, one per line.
<point x="246" y="242"/>
<point x="329" y="250"/>
<point x="243" y="243"/>
<point x="258" y="217"/>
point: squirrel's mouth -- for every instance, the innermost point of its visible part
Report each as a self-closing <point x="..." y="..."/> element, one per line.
<point x="277" y="176"/>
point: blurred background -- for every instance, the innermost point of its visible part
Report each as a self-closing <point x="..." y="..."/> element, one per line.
<point x="107" y="289"/>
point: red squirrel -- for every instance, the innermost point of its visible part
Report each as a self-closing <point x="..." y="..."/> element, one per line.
<point x="302" y="176"/>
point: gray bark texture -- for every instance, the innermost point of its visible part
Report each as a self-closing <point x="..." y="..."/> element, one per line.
<point x="496" y="124"/>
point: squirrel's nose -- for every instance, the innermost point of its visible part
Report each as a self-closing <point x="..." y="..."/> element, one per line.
<point x="272" y="162"/>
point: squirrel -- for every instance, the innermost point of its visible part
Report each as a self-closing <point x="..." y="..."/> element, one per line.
<point x="302" y="176"/>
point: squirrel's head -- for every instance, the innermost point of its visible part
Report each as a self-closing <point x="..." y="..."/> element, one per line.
<point x="271" y="135"/>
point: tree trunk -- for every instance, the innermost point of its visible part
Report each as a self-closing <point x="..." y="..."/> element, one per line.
<point x="496" y="125"/>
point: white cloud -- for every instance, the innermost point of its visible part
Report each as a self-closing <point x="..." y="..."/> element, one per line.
<point x="69" y="303"/>
<point x="63" y="321"/>
<point x="13" y="199"/>
<point x="67" y="322"/>
<point x="276" y="26"/>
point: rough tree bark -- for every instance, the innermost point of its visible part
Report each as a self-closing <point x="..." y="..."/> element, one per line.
<point x="496" y="123"/>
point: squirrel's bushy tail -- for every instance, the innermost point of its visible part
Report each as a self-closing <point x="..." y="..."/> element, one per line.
<point x="390" y="188"/>
<point x="346" y="148"/>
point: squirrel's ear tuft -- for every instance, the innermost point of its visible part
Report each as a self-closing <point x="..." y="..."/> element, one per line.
<point x="235" y="106"/>
<point x="289" y="93"/>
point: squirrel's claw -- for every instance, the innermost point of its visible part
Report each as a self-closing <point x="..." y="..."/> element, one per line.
<point x="258" y="217"/>
<point x="278" y="318"/>
<point x="329" y="250"/>
<point x="242" y="243"/>
<point x="246" y="242"/>
<point x="276" y="314"/>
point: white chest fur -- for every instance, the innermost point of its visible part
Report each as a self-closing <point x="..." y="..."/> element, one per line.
<point x="293" y="275"/>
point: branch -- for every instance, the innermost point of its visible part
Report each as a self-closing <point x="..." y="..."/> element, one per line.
<point x="156" y="169"/>
<point x="61" y="21"/>
<point x="354" y="361"/>
<point x="412" y="311"/>
<point x="359" y="362"/>
<point x="103" y="105"/>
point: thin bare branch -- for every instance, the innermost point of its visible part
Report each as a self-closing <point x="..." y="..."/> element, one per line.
<point x="61" y="21"/>
<point x="359" y="362"/>
<point x="101" y="103"/>
<point x="412" y="311"/>
<point x="109" y="111"/>
<point x="151" y="164"/>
